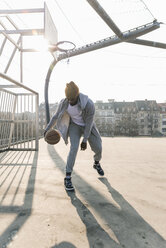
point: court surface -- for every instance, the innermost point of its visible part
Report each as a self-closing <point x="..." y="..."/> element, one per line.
<point x="125" y="208"/>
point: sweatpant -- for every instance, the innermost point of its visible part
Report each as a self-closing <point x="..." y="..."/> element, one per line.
<point x="75" y="133"/>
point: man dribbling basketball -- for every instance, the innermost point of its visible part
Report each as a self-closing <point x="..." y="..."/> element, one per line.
<point x="75" y="118"/>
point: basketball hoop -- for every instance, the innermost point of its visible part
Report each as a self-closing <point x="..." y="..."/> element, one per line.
<point x="62" y="46"/>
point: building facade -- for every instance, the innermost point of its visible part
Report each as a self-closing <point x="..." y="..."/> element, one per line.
<point x="138" y="118"/>
<point x="162" y="122"/>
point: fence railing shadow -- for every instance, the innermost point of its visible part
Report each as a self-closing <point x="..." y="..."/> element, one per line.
<point x="17" y="174"/>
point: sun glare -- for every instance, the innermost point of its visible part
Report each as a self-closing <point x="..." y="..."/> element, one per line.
<point x="38" y="43"/>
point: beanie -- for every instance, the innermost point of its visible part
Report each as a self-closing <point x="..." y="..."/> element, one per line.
<point x="71" y="90"/>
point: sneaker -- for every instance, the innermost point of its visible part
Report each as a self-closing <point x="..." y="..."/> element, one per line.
<point x="99" y="169"/>
<point x="68" y="183"/>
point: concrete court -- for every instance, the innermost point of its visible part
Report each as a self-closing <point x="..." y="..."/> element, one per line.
<point x="125" y="208"/>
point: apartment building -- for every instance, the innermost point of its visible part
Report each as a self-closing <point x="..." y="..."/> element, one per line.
<point x="116" y="118"/>
<point x="148" y="117"/>
<point x="125" y="118"/>
<point x="162" y="122"/>
<point x="105" y="117"/>
<point x="141" y="117"/>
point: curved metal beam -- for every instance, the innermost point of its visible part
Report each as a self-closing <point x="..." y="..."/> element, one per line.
<point x="128" y="35"/>
<point x="51" y="67"/>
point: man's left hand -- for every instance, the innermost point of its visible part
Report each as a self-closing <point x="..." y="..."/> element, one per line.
<point x="83" y="146"/>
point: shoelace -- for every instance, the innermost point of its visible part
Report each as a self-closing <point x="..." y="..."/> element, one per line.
<point x="69" y="183"/>
<point x="98" y="166"/>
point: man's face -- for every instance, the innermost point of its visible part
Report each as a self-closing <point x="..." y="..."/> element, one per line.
<point x="73" y="101"/>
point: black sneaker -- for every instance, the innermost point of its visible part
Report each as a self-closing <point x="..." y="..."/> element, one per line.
<point x="68" y="183"/>
<point x="99" y="169"/>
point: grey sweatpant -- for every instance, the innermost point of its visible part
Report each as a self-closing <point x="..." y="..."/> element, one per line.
<point x="75" y="133"/>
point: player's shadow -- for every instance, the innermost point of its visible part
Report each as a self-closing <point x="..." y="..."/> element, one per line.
<point x="96" y="235"/>
<point x="64" y="244"/>
<point x="119" y="217"/>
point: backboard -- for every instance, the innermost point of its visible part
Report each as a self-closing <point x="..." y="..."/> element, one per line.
<point x="50" y="30"/>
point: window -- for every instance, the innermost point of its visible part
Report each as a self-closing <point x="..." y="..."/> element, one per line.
<point x="164" y="130"/>
<point x="164" y="122"/>
<point x="142" y="120"/>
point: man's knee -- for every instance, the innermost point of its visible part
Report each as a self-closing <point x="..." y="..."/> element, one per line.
<point x="97" y="147"/>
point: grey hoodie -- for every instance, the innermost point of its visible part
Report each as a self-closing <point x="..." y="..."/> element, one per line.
<point x="62" y="119"/>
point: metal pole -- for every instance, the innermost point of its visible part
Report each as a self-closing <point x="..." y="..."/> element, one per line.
<point x="148" y="43"/>
<point x="13" y="121"/>
<point x="11" y="57"/>
<point x="20" y="11"/>
<point x="52" y="65"/>
<point x="37" y="122"/>
<point x="21" y="61"/>
<point x="103" y="14"/>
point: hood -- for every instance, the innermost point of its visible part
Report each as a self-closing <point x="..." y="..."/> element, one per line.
<point x="83" y="99"/>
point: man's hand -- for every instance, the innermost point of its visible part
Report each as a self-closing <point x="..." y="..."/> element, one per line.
<point x="45" y="133"/>
<point x="83" y="146"/>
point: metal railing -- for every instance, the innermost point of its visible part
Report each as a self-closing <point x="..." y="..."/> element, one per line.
<point x="18" y="116"/>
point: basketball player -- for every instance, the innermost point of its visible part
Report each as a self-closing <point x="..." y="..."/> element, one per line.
<point x="74" y="119"/>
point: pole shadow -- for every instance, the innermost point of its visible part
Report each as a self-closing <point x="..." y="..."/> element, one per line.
<point x="133" y="225"/>
<point x="23" y="211"/>
<point x="129" y="228"/>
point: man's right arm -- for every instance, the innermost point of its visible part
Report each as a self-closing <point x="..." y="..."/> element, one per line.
<point x="51" y="123"/>
<point x="54" y="118"/>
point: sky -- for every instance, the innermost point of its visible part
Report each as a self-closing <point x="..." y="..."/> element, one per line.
<point x="121" y="72"/>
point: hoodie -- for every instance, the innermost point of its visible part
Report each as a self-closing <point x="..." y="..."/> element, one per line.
<point x="62" y="119"/>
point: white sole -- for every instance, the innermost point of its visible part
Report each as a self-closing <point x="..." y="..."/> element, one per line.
<point x="69" y="189"/>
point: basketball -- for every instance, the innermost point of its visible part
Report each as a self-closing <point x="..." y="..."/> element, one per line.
<point x="52" y="137"/>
